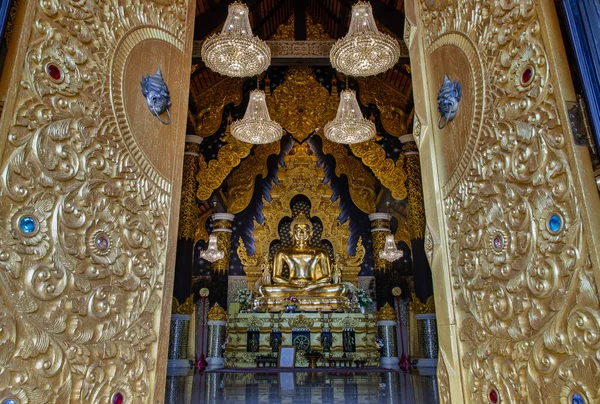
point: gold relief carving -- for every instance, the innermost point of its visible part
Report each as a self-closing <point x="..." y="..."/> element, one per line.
<point x="216" y="313"/>
<point x="211" y="176"/>
<point x="300" y="104"/>
<point x="211" y="101"/>
<point x="352" y="323"/>
<point x="390" y="173"/>
<point x="402" y="231"/>
<point x="388" y="100"/>
<point x="300" y="175"/>
<point x="378" y="242"/>
<point x="407" y="33"/>
<point x="416" y="128"/>
<point x="386" y="313"/>
<point x="223" y="244"/>
<point x="200" y="232"/>
<point x="418" y="307"/>
<point x="429" y="245"/>
<point x="314" y="31"/>
<point x="361" y="182"/>
<point x="240" y="184"/>
<point x="188" y="214"/>
<point x="525" y="294"/>
<point x="301" y="322"/>
<point x="186" y="308"/>
<point x="80" y="295"/>
<point x="416" y="208"/>
<point x="286" y="31"/>
<point x="443" y="381"/>
<point x="253" y="322"/>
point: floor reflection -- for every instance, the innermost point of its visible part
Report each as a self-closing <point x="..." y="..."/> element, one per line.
<point x="302" y="387"/>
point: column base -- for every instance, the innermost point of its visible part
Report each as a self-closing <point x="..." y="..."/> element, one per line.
<point x="215" y="363"/>
<point x="427" y="363"/>
<point x="390" y="362"/>
<point x="179" y="363"/>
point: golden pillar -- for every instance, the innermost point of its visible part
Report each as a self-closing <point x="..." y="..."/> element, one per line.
<point x="416" y="210"/>
<point x="222" y="228"/>
<point x="188" y="218"/>
<point x="416" y="217"/>
<point x="380" y="228"/>
<point x="188" y="215"/>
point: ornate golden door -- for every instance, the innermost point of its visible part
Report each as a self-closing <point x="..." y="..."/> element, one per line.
<point x="89" y="186"/>
<point x="512" y="209"/>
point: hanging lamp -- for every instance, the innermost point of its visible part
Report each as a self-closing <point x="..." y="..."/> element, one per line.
<point x="256" y="127"/>
<point x="212" y="253"/>
<point x="349" y="125"/>
<point x="364" y="51"/>
<point x="235" y="51"/>
<point x="390" y="251"/>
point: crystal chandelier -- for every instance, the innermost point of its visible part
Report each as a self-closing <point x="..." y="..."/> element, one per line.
<point x="256" y="127"/>
<point x="235" y="51"/>
<point x="349" y="126"/>
<point x="390" y="252"/>
<point x="364" y="51"/>
<point x="212" y="253"/>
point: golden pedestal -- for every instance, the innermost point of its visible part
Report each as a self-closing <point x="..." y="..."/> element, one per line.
<point x="305" y="304"/>
<point x="364" y="326"/>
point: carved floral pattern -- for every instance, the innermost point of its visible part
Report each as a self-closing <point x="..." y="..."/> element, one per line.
<point x="79" y="295"/>
<point x="527" y="300"/>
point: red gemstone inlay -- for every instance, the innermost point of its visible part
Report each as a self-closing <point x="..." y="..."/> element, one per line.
<point x="54" y="72"/>
<point x="118" y="398"/>
<point x="493" y="396"/>
<point x="527" y="75"/>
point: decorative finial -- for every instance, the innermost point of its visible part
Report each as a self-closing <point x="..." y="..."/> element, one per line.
<point x="217" y="313"/>
<point x="386" y="313"/>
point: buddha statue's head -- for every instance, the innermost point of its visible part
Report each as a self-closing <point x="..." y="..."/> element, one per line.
<point x="301" y="229"/>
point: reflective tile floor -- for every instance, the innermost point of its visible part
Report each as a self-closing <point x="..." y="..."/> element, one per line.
<point x="302" y="387"/>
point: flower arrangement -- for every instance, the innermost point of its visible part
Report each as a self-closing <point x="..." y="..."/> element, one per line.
<point x="312" y="353"/>
<point x="363" y="298"/>
<point x="291" y="304"/>
<point x="244" y="298"/>
<point x="357" y="297"/>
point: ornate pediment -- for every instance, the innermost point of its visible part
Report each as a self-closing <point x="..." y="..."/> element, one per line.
<point x="301" y="322"/>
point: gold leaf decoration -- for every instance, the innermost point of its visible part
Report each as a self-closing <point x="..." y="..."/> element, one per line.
<point x="217" y="313"/>
<point x="389" y="101"/>
<point x="361" y="183"/>
<point x="211" y="176"/>
<point x="386" y="313"/>
<point x="416" y="207"/>
<point x="211" y="101"/>
<point x="390" y="173"/>
<point x="525" y="296"/>
<point x="80" y="293"/>
<point x="301" y="175"/>
<point x="186" y="308"/>
<point x="301" y="104"/>
<point x="240" y="184"/>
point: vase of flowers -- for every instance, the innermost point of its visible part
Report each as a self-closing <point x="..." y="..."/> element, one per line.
<point x="291" y="304"/>
<point x="312" y="355"/>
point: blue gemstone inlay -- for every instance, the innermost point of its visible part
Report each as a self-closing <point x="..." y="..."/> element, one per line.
<point x="27" y="224"/>
<point x="555" y="223"/>
<point x="577" y="399"/>
<point x="9" y="401"/>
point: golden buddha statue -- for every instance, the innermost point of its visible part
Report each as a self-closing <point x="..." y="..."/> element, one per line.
<point x="310" y="270"/>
